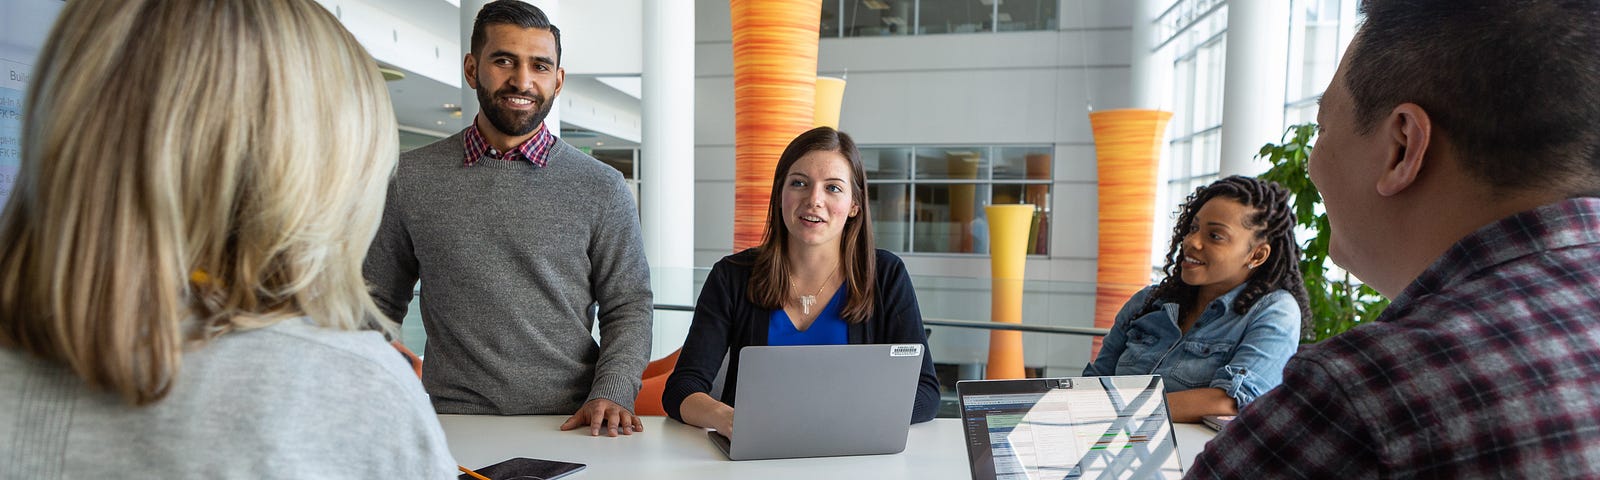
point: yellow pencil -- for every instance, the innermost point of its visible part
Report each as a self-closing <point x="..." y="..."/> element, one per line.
<point x="469" y="471"/>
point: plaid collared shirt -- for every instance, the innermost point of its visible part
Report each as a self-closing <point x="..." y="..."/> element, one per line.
<point x="1488" y="365"/>
<point x="535" y="150"/>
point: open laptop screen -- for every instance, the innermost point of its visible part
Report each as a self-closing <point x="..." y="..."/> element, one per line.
<point x="1067" y="428"/>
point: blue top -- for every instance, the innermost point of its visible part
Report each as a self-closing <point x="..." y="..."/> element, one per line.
<point x="725" y="321"/>
<point x="828" y="329"/>
<point x="1242" y="353"/>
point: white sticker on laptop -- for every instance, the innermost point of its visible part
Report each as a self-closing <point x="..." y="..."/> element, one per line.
<point x="905" y="350"/>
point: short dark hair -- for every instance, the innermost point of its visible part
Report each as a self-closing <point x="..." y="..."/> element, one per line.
<point x="1513" y="84"/>
<point x="511" y="12"/>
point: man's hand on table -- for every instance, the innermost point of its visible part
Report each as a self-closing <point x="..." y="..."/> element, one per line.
<point x="600" y="413"/>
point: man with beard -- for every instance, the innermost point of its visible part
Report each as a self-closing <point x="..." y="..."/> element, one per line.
<point x="1459" y="163"/>
<point x="516" y="236"/>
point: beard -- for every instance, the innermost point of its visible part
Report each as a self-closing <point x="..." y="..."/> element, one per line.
<point x="512" y="122"/>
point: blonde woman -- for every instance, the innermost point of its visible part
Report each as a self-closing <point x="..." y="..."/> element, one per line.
<point x="180" y="260"/>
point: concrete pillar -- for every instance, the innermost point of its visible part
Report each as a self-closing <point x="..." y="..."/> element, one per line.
<point x="1253" y="82"/>
<point x="1151" y="71"/>
<point x="666" y="190"/>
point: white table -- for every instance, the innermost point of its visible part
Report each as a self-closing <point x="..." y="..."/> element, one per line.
<point x="668" y="449"/>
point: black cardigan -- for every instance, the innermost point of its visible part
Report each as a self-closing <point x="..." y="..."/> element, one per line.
<point x="725" y="321"/>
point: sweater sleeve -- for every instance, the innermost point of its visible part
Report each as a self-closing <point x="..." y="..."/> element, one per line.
<point x="391" y="268"/>
<point x="706" y="343"/>
<point x="621" y="281"/>
<point x="903" y="321"/>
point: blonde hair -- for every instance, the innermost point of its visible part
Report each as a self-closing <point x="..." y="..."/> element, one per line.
<point x="191" y="168"/>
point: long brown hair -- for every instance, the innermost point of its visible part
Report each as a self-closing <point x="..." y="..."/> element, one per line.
<point x="858" y="254"/>
<point x="191" y="168"/>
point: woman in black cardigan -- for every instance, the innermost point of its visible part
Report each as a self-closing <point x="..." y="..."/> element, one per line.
<point x="816" y="279"/>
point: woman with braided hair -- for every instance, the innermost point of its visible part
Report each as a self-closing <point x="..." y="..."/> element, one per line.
<point x="1229" y="313"/>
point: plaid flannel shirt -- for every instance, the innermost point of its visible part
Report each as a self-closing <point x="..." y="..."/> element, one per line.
<point x="535" y="149"/>
<point x="1488" y="365"/>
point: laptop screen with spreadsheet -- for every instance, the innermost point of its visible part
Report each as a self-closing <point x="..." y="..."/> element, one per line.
<point x="1068" y="428"/>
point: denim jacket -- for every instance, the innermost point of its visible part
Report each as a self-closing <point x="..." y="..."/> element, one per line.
<point x="1242" y="353"/>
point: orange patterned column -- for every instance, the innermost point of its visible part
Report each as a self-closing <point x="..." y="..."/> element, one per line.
<point x="1127" y="148"/>
<point x="774" y="90"/>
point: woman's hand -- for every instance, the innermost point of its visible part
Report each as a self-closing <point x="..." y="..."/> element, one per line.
<point x="1189" y="405"/>
<point x="703" y="411"/>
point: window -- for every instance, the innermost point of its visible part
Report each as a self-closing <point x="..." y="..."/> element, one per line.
<point x="930" y="199"/>
<point x="1318" y="34"/>
<point x="873" y="18"/>
<point x="1199" y="50"/>
<point x="625" y="160"/>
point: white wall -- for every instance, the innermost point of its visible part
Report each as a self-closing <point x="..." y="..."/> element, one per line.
<point x="602" y="37"/>
<point x="987" y="88"/>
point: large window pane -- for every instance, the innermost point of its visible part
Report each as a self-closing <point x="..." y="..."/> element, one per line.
<point x="886" y="163"/>
<point x="952" y="163"/>
<point x="1018" y="15"/>
<point x="830" y="19"/>
<point x="930" y="199"/>
<point x="620" y="159"/>
<point x="949" y="218"/>
<point x="1024" y="163"/>
<point x="890" y="207"/>
<point x="955" y="16"/>
<point x="872" y="18"/>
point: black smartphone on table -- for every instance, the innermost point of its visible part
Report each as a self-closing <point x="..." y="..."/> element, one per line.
<point x="527" y="469"/>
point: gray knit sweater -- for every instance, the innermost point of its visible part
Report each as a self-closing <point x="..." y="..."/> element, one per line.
<point x="511" y="256"/>
<point x="289" y="401"/>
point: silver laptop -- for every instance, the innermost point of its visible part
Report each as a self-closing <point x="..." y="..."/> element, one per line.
<point x="1067" y="428"/>
<point x="821" y="401"/>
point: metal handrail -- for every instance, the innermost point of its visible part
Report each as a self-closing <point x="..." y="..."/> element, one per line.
<point x="946" y="322"/>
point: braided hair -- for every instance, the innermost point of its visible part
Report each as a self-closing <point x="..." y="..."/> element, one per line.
<point x="1272" y="221"/>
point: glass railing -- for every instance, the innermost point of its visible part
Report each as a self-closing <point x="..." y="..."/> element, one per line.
<point x="1057" y="321"/>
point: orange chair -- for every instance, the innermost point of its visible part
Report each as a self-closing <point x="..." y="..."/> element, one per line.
<point x="648" y="403"/>
<point x="416" y="362"/>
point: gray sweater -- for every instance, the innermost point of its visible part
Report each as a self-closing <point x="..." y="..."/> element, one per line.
<point x="287" y="401"/>
<point x="511" y="256"/>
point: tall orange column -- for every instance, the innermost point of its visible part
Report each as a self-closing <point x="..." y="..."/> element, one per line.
<point x="1008" y="251"/>
<point x="774" y="90"/>
<point x="1127" y="146"/>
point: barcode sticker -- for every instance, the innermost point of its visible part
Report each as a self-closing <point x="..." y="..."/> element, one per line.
<point x="905" y="350"/>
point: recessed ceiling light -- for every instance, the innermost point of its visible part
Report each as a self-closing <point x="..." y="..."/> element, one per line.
<point x="599" y="144"/>
<point x="448" y="106"/>
<point x="439" y="122"/>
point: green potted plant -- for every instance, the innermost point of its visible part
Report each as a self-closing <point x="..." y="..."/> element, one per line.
<point x="1338" y="302"/>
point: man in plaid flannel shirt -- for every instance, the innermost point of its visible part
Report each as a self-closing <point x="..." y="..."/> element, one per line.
<point x="1458" y="157"/>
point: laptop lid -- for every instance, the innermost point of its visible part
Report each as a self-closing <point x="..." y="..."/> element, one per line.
<point x="1098" y="427"/>
<point x="824" y="400"/>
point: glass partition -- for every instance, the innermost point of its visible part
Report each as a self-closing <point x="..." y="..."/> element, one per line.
<point x="959" y="351"/>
